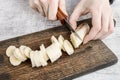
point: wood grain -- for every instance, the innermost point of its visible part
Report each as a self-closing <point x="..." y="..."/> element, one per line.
<point x="87" y="58"/>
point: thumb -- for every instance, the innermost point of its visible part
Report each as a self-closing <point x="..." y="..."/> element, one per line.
<point x="78" y="11"/>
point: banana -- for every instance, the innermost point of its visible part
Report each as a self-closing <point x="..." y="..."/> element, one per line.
<point x="68" y="47"/>
<point x="82" y="30"/>
<point x="32" y="53"/>
<point x="75" y="40"/>
<point x="27" y="52"/>
<point x="61" y="41"/>
<point x="14" y="61"/>
<point x="22" y="48"/>
<point x="54" y="40"/>
<point x="37" y="58"/>
<point x="10" y="50"/>
<point x="41" y="58"/>
<point x="53" y="52"/>
<point x="17" y="53"/>
<point x="43" y="51"/>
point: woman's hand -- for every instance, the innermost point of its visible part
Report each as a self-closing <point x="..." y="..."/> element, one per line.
<point x="48" y="8"/>
<point x="102" y="18"/>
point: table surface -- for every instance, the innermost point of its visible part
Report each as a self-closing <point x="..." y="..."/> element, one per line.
<point x="17" y="18"/>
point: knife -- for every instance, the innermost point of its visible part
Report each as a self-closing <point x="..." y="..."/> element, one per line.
<point x="64" y="21"/>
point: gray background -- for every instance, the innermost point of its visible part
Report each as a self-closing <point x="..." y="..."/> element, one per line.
<point x="17" y="18"/>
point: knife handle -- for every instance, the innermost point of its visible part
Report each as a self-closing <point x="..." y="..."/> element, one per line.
<point x="61" y="16"/>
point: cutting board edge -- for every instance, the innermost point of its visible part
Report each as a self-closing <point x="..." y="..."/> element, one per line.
<point x="113" y="62"/>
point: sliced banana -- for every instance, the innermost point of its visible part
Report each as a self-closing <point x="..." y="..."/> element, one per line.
<point x="41" y="58"/>
<point x="61" y="41"/>
<point x="82" y="30"/>
<point x="43" y="51"/>
<point x="54" y="40"/>
<point x="19" y="56"/>
<point x="27" y="52"/>
<point x="68" y="47"/>
<point x="10" y="50"/>
<point x="54" y="52"/>
<point x="22" y="49"/>
<point x="75" y="40"/>
<point x="14" y="61"/>
<point x="37" y="58"/>
<point x="32" y="53"/>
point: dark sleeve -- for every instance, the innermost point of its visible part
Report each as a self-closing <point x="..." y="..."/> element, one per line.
<point x="111" y="1"/>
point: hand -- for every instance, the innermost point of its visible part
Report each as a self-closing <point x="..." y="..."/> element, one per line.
<point x="102" y="18"/>
<point x="48" y="8"/>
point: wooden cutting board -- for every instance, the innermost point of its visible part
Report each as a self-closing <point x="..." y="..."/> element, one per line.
<point x="87" y="58"/>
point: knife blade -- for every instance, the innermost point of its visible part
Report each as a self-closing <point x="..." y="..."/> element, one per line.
<point x="66" y="24"/>
<point x="64" y="21"/>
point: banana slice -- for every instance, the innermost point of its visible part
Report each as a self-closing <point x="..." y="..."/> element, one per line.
<point x="54" y="52"/>
<point x="43" y="51"/>
<point x="37" y="58"/>
<point x="75" y="40"/>
<point x="68" y="47"/>
<point x="10" y="50"/>
<point x="32" y="53"/>
<point x="54" y="40"/>
<point x="82" y="30"/>
<point x="27" y="52"/>
<point x="61" y="41"/>
<point x="18" y="55"/>
<point x="41" y="58"/>
<point x="22" y="48"/>
<point x="14" y="61"/>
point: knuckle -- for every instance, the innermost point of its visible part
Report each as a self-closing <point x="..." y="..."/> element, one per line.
<point x="97" y="28"/>
<point x="36" y="2"/>
<point x="111" y="30"/>
<point x="104" y="30"/>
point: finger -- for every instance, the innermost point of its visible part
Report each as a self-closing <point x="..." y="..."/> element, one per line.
<point x="33" y="6"/>
<point x="96" y="23"/>
<point x="78" y="11"/>
<point x="39" y="7"/>
<point x="110" y="29"/>
<point x="62" y="6"/>
<point x="44" y="4"/>
<point x="53" y="8"/>
<point x="104" y="26"/>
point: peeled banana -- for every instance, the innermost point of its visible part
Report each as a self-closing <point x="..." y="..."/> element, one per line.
<point x="36" y="59"/>
<point x="68" y="47"/>
<point x="14" y="61"/>
<point x="82" y="30"/>
<point x="61" y="41"/>
<point x="42" y="59"/>
<point x="10" y="50"/>
<point x="22" y="50"/>
<point x="17" y="53"/>
<point x="54" y="40"/>
<point x="43" y="51"/>
<point x="32" y="53"/>
<point x="25" y="51"/>
<point x="53" y="52"/>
